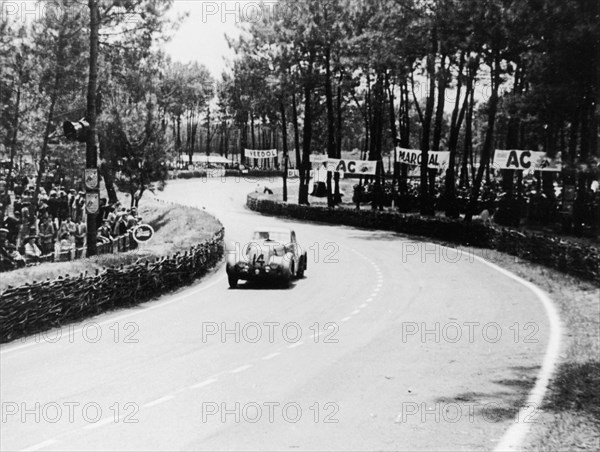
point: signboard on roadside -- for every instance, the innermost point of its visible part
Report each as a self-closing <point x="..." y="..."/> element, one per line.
<point x="143" y="233"/>
<point x="91" y="179"/>
<point x="527" y="161"/>
<point x="260" y="154"/>
<point x="92" y="202"/>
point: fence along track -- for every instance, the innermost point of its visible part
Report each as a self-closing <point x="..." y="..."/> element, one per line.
<point x="37" y="307"/>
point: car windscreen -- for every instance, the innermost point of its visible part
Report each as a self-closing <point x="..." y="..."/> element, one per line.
<point x="276" y="236"/>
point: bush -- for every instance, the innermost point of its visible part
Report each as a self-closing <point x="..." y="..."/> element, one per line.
<point x="37" y="307"/>
<point x="554" y="252"/>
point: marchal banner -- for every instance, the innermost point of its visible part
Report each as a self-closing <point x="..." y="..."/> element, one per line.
<point x="368" y="167"/>
<point x="525" y="161"/>
<point x="436" y="159"/>
<point x="260" y="154"/>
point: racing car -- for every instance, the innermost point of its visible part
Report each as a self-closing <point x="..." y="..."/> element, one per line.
<point x="272" y="255"/>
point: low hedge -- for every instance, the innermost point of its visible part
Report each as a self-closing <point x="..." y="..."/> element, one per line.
<point x="554" y="252"/>
<point x="37" y="307"/>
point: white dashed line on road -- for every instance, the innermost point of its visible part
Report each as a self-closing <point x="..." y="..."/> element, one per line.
<point x="101" y="423"/>
<point x="241" y="369"/>
<point x="345" y="319"/>
<point x="297" y="344"/>
<point x="272" y="355"/>
<point x="204" y="383"/>
<point x="158" y="401"/>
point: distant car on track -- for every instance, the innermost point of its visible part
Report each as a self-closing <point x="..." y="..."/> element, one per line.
<point x="272" y="255"/>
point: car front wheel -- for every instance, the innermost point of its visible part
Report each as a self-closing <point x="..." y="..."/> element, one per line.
<point x="233" y="281"/>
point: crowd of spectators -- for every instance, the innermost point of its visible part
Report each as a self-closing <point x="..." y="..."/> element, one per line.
<point x="57" y="228"/>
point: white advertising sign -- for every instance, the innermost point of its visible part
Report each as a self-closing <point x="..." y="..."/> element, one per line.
<point x="525" y="161"/>
<point x="436" y="159"/>
<point x="260" y="154"/>
<point x="368" y="167"/>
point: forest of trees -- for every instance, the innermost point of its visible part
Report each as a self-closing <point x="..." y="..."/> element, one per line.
<point x="311" y="76"/>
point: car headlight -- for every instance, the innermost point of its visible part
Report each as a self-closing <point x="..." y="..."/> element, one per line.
<point x="274" y="266"/>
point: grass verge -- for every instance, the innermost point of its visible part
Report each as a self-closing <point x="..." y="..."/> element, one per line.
<point x="176" y="229"/>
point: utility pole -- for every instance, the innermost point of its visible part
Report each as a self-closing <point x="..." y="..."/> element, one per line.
<point x="92" y="180"/>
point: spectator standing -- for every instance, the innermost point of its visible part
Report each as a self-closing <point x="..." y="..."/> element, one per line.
<point x="6" y="260"/>
<point x="81" y="236"/>
<point x="32" y="251"/>
<point x="64" y="248"/>
<point x="120" y="227"/>
<point x="104" y="233"/>
<point x="5" y="200"/>
<point x="63" y="207"/>
<point x="47" y="235"/>
<point x="12" y="225"/>
<point x="53" y="206"/>
<point x="80" y="207"/>
<point x="17" y="205"/>
<point x="71" y="202"/>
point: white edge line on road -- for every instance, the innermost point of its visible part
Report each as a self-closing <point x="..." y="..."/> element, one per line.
<point x="240" y="369"/>
<point x="41" y="445"/>
<point x="158" y="401"/>
<point x="130" y="312"/>
<point x="100" y="423"/>
<point x="204" y="383"/>
<point x="514" y="436"/>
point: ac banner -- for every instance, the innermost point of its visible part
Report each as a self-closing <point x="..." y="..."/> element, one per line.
<point x="436" y="159"/>
<point x="260" y="154"/>
<point x="527" y="161"/>
<point x="368" y="167"/>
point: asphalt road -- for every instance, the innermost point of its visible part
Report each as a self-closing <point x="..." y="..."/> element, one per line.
<point x="386" y="344"/>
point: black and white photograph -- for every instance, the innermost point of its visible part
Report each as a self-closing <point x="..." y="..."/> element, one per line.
<point x="299" y="225"/>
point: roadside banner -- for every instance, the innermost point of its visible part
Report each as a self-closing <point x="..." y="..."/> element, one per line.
<point x="260" y="154"/>
<point x="527" y="161"/>
<point x="215" y="172"/>
<point x="436" y="159"/>
<point x="294" y="174"/>
<point x="368" y="167"/>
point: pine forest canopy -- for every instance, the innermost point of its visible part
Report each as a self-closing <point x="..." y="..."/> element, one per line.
<point x="312" y="76"/>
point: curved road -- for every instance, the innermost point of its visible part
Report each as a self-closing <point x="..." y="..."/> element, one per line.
<point x="386" y="344"/>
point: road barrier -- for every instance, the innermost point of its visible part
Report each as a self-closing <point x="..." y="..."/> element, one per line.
<point x="567" y="256"/>
<point x="37" y="307"/>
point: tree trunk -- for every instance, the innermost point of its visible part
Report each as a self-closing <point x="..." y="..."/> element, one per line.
<point x="468" y="144"/>
<point x="394" y="135"/>
<point x="488" y="144"/>
<point x="47" y="130"/>
<point x="377" y="102"/>
<point x="285" y="149"/>
<point x="307" y="135"/>
<point x="426" y="201"/>
<point x="15" y="134"/>
<point x="455" y="123"/>
<point x="296" y="131"/>
<point x="331" y="148"/>
<point x="337" y="197"/>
